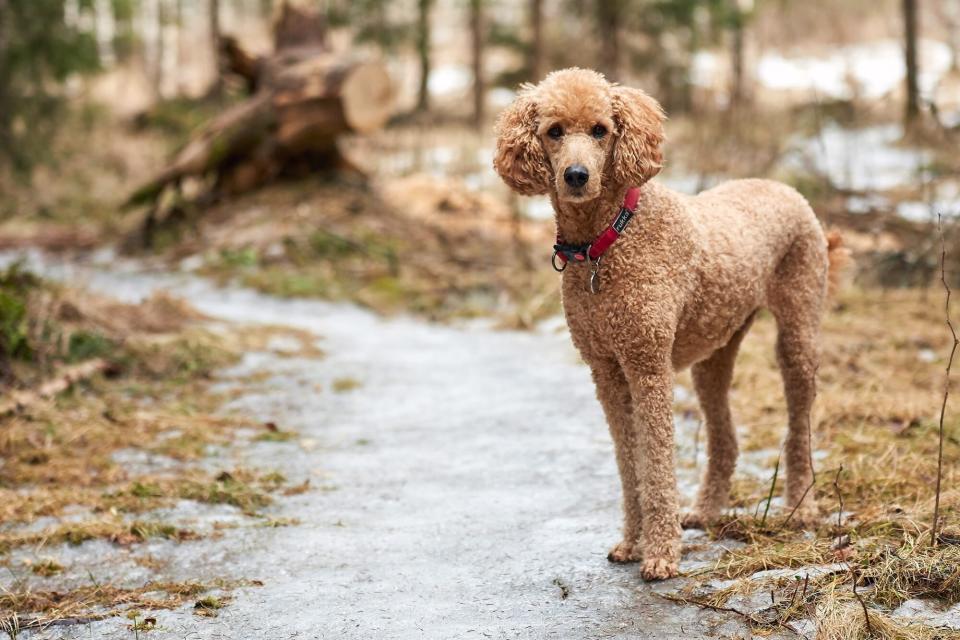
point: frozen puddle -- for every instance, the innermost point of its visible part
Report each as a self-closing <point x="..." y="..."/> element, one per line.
<point x="466" y="488"/>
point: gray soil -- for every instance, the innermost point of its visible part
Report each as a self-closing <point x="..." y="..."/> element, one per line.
<point x="465" y="489"/>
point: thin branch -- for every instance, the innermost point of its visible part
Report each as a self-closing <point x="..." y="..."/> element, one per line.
<point x="773" y="484"/>
<point x="836" y="485"/>
<point x="854" y="578"/>
<point x="752" y="619"/>
<point x="866" y="613"/>
<point x="946" y="384"/>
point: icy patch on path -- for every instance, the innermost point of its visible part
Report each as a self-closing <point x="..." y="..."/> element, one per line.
<point x="461" y="490"/>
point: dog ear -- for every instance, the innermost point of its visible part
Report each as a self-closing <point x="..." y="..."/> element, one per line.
<point x="637" y="156"/>
<point x="519" y="158"/>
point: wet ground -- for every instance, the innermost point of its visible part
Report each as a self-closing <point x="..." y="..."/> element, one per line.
<point x="465" y="488"/>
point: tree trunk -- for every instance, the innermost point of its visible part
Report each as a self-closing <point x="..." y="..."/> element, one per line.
<point x="912" y="111"/>
<point x="216" y="89"/>
<point x="535" y="64"/>
<point x="423" y="51"/>
<point x="6" y="117"/>
<point x="476" y="36"/>
<point x="608" y="27"/>
<point x="736" y="59"/>
<point x="299" y="29"/>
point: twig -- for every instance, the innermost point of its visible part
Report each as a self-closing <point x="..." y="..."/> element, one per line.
<point x="773" y="484"/>
<point x="713" y="607"/>
<point x="836" y="485"/>
<point x="866" y="613"/>
<point x="41" y="623"/>
<point x="64" y="379"/>
<point x="946" y="384"/>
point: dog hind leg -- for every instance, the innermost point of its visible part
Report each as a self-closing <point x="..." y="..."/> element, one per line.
<point x="711" y="379"/>
<point x="796" y="298"/>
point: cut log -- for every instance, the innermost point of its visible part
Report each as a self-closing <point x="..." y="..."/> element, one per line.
<point x="317" y="100"/>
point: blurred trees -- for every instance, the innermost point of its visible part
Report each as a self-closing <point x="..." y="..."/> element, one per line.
<point x="912" y="111"/>
<point x="535" y="65"/>
<point x="39" y="49"/>
<point x="477" y="50"/>
<point x="656" y="42"/>
<point x="608" y="25"/>
<point x="423" y="52"/>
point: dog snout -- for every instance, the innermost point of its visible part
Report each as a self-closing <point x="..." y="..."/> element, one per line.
<point x="576" y="175"/>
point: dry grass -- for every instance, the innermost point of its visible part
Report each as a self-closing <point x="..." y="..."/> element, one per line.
<point x="71" y="451"/>
<point x="36" y="609"/>
<point x="880" y="391"/>
<point x="421" y="245"/>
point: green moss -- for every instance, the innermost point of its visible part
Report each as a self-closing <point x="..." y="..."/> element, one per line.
<point x="239" y="258"/>
<point x="84" y="345"/>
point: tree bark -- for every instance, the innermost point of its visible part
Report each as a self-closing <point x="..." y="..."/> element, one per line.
<point x="299" y="29"/>
<point x="910" y="27"/>
<point x="423" y="52"/>
<point x="535" y="56"/>
<point x="476" y="36"/>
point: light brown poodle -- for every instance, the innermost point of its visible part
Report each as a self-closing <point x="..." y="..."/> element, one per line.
<point x="679" y="288"/>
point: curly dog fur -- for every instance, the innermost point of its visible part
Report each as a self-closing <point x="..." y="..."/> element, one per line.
<point x="678" y="289"/>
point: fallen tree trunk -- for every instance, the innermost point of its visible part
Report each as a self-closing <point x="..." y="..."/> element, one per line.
<point x="300" y="109"/>
<point x="303" y="98"/>
<point x="64" y="379"/>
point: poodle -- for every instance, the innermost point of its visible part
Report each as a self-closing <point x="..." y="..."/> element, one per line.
<point x="678" y="287"/>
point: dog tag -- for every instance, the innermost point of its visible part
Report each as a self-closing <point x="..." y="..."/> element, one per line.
<point x="595" y="278"/>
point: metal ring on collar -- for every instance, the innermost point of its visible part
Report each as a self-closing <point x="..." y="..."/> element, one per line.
<point x="553" y="261"/>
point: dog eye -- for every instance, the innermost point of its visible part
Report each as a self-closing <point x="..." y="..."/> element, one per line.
<point x="599" y="131"/>
<point x="555" y="132"/>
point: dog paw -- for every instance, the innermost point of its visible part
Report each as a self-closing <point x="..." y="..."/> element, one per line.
<point x="695" y="520"/>
<point x="659" y="569"/>
<point x="624" y="552"/>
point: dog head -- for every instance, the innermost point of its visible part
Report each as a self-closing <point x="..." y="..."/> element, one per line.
<point x="575" y="133"/>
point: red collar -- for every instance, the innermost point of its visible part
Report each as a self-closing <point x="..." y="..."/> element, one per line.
<point x="593" y="251"/>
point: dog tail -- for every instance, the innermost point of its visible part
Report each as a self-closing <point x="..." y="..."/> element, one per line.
<point x="839" y="257"/>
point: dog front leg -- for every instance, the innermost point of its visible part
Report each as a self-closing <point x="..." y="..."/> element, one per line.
<point x="652" y="394"/>
<point x="613" y="392"/>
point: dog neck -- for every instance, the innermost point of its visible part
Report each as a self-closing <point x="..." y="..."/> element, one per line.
<point x="582" y="222"/>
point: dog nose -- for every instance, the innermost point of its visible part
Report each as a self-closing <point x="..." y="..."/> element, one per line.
<point x="576" y="175"/>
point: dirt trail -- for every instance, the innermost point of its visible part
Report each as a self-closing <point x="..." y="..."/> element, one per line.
<point x="466" y="488"/>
